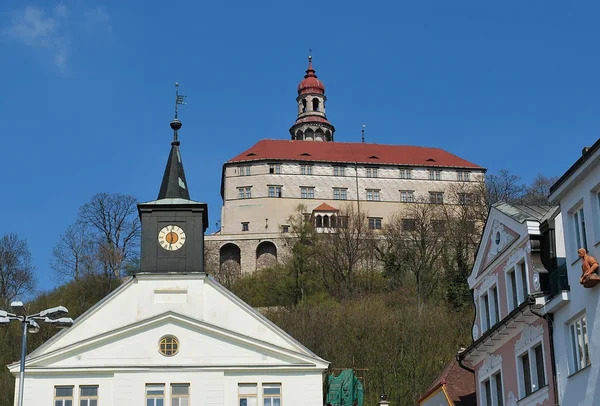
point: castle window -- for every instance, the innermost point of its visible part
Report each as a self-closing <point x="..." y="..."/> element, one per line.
<point x="465" y="198"/>
<point x="315" y="103"/>
<point x="340" y="193"/>
<point x="464" y="176"/>
<point x="405" y="173"/>
<point x="285" y="229"/>
<point x="244" y="170"/>
<point x="275" y="168"/>
<point x="375" y="223"/>
<point x="304" y="105"/>
<point x="372" y="172"/>
<point x="409" y="224"/>
<point x="244" y="192"/>
<point x="306" y="169"/>
<point x="373" y="194"/>
<point x="245" y="226"/>
<point x="307" y="192"/>
<point x="407" y="196"/>
<point x="436" y="197"/>
<point x="275" y="191"/>
<point x="435" y="174"/>
<point x="339" y="171"/>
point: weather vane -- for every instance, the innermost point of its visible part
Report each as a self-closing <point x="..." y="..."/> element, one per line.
<point x="179" y="99"/>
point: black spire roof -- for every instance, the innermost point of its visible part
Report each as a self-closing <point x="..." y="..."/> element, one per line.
<point x="174" y="184"/>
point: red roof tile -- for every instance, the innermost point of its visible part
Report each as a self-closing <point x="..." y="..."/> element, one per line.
<point x="325" y="207"/>
<point x="459" y="384"/>
<point x="351" y="152"/>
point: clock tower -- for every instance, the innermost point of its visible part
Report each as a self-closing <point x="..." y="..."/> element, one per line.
<point x="173" y="226"/>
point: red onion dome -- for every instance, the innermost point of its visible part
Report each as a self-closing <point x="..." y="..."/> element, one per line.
<point x="310" y="83"/>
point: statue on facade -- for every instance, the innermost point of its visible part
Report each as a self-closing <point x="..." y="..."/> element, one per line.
<point x="589" y="267"/>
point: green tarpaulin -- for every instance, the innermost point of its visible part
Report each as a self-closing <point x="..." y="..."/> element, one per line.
<point x="344" y="389"/>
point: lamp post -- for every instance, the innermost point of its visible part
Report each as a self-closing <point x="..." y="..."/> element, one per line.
<point x="52" y="316"/>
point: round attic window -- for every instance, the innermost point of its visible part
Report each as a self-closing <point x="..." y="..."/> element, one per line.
<point x="168" y="346"/>
<point x="497" y="237"/>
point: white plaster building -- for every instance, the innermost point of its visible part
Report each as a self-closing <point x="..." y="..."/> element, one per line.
<point x="171" y="334"/>
<point x="262" y="186"/>
<point x="576" y="310"/>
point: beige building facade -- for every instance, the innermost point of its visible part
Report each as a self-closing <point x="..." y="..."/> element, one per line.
<point x="263" y="186"/>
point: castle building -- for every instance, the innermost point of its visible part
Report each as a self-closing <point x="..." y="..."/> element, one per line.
<point x="171" y="334"/>
<point x="262" y="186"/>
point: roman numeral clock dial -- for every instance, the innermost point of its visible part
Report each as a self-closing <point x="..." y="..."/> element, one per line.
<point x="171" y="237"/>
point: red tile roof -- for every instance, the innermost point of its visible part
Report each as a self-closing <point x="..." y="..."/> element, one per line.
<point x="325" y="207"/>
<point x="351" y="152"/>
<point x="459" y="384"/>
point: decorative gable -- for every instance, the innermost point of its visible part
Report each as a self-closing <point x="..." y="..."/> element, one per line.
<point x="497" y="241"/>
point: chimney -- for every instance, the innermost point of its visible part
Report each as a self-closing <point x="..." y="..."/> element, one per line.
<point x="585" y="150"/>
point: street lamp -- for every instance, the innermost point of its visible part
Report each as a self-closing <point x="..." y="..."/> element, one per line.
<point x="52" y="316"/>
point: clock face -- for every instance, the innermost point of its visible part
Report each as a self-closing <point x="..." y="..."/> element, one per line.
<point x="171" y="237"/>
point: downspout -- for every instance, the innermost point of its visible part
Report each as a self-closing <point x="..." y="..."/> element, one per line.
<point x="550" y="320"/>
<point x="460" y="362"/>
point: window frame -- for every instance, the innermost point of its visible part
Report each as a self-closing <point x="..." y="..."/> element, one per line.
<point x="435" y="174"/>
<point x="412" y="222"/>
<point x="463" y="176"/>
<point x="409" y="196"/>
<point x="247" y="395"/>
<point x="63" y="399"/>
<point x="529" y="384"/>
<point x="579" y="227"/>
<point x="491" y="382"/>
<point x="88" y="398"/>
<point x="341" y="193"/>
<point x="277" y="191"/>
<point x="489" y="306"/>
<point x="269" y="396"/>
<point x="307" y="192"/>
<point x="179" y="396"/>
<point x="155" y="396"/>
<point x="434" y="197"/>
<point x="374" y="223"/>
<point x="372" y="172"/>
<point x="306" y="169"/>
<point x="245" y="226"/>
<point x="373" y="195"/>
<point x="339" y="171"/>
<point x="465" y="198"/>
<point x="275" y="169"/>
<point x="578" y="360"/>
<point x="522" y="284"/>
<point x="405" y="173"/>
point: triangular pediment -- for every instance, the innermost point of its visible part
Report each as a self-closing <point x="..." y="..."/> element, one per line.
<point x="200" y="345"/>
<point x="193" y="302"/>
<point x="500" y="233"/>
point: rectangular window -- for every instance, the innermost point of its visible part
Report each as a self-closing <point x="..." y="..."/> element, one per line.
<point x="372" y="172"/>
<point x="579" y="221"/>
<point x="465" y="198"/>
<point x="340" y="194"/>
<point x="407" y="196"/>
<point x="436" y="197"/>
<point x="272" y="394"/>
<point x="499" y="393"/>
<point x="409" y="224"/>
<point x="180" y="394"/>
<point x="496" y="304"/>
<point x="513" y="290"/>
<point x="247" y="394"/>
<point x="307" y="192"/>
<point x="486" y="312"/>
<point x="463" y="176"/>
<point x="88" y="395"/>
<point x="375" y="223"/>
<point x="244" y="192"/>
<point x="373" y="194"/>
<point x="275" y="191"/>
<point x="306" y="169"/>
<point x="580" y="354"/>
<point x="405" y="173"/>
<point x="339" y="171"/>
<point x="245" y="226"/>
<point x="63" y="396"/>
<point x="244" y="170"/>
<point x="275" y="168"/>
<point x="539" y="366"/>
<point x="526" y="376"/>
<point x="524" y="288"/>
<point x="488" y="392"/>
<point x="435" y="174"/>
<point x="285" y="229"/>
<point x="155" y="395"/>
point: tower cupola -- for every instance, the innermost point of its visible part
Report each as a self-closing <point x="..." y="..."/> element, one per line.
<point x="311" y="123"/>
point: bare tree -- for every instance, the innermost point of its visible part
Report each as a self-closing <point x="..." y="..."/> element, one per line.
<point x="16" y="269"/>
<point x="504" y="187"/>
<point x="537" y="193"/>
<point x="344" y="252"/>
<point x="75" y="254"/>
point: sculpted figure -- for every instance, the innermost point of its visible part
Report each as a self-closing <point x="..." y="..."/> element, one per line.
<point x="589" y="267"/>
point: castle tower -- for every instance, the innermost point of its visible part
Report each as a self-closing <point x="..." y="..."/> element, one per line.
<point x="312" y="123"/>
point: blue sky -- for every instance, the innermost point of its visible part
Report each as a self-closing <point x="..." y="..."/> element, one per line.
<point x="87" y="90"/>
